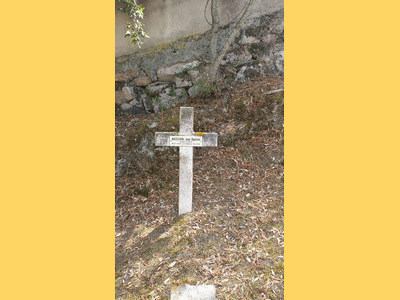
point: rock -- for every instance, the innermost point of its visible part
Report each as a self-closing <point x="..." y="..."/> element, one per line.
<point x="152" y="125"/>
<point x="120" y="97"/>
<point x="121" y="167"/>
<point x="246" y="73"/>
<point x="152" y="74"/>
<point x="128" y="93"/>
<point x="194" y="75"/>
<point x="128" y="75"/>
<point x="132" y="108"/>
<point x="181" y="94"/>
<point x="163" y="101"/>
<point x="125" y="106"/>
<point x="280" y="61"/>
<point x="182" y="82"/>
<point x="246" y="40"/>
<point x="199" y="292"/>
<point x="147" y="103"/>
<point x="242" y="58"/>
<point x="157" y="87"/>
<point x="143" y="81"/>
<point x="169" y="73"/>
<point x="135" y="102"/>
<point x="194" y="90"/>
<point x="270" y="38"/>
<point x="274" y="60"/>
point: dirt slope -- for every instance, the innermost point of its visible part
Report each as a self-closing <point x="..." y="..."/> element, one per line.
<point x="233" y="239"/>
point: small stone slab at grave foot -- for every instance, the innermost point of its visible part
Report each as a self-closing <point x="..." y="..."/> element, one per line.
<point x="193" y="292"/>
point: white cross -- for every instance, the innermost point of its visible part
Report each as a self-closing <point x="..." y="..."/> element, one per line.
<point x="186" y="139"/>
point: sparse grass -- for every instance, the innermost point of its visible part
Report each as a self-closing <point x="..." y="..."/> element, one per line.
<point x="172" y="92"/>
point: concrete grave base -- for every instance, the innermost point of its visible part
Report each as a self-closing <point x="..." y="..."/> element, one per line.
<point x="192" y="292"/>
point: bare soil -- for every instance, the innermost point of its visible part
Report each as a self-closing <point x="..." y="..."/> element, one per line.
<point x="234" y="238"/>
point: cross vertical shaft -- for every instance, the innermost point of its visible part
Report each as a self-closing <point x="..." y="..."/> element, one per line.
<point x="186" y="139"/>
<point x="185" y="162"/>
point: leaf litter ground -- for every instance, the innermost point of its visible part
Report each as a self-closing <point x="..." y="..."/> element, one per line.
<point x="234" y="238"/>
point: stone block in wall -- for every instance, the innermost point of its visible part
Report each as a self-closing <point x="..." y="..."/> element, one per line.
<point x="157" y="87"/>
<point x="147" y="102"/>
<point x="194" y="75"/>
<point x="246" y="40"/>
<point x="152" y="74"/>
<point x="241" y="58"/>
<point x="168" y="74"/>
<point x="182" y="82"/>
<point x="131" y="108"/>
<point x="120" y="97"/>
<point x="128" y="75"/>
<point x="274" y="61"/>
<point x="166" y="100"/>
<point x="129" y="94"/>
<point x="194" y="90"/>
<point x="143" y="81"/>
<point x="270" y="38"/>
<point x="125" y="106"/>
<point x="246" y="73"/>
<point x="181" y="94"/>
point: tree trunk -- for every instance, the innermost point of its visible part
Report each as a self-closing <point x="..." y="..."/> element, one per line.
<point x="214" y="29"/>
<point x="216" y="59"/>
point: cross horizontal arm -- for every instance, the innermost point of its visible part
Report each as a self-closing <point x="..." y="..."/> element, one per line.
<point x="208" y="139"/>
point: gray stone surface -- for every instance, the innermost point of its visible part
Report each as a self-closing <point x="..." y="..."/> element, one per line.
<point x="192" y="292"/>
<point x="241" y="58"/>
<point x="143" y="81"/>
<point x="194" y="90"/>
<point x="147" y="102"/>
<point x="132" y="108"/>
<point x="165" y="100"/>
<point x="274" y="60"/>
<point x="128" y="93"/>
<point x="152" y="125"/>
<point x="194" y="75"/>
<point x="120" y="97"/>
<point x="125" y="106"/>
<point x="181" y="95"/>
<point x="182" y="82"/>
<point x="157" y="87"/>
<point x="169" y="73"/>
<point x="152" y="74"/>
<point x="128" y="75"/>
<point x="246" y="73"/>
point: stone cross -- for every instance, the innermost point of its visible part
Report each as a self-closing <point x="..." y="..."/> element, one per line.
<point x="186" y="139"/>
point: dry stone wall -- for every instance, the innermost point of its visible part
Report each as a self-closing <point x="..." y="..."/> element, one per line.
<point x="160" y="77"/>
